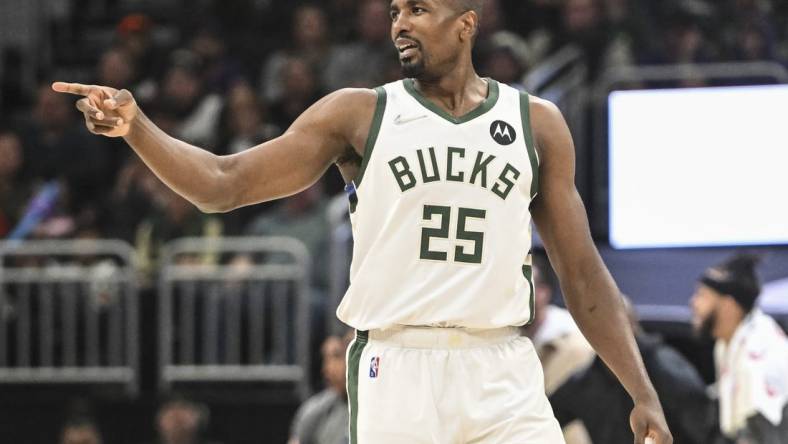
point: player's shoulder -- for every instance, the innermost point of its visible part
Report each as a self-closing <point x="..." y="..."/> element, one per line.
<point x="344" y="108"/>
<point x="543" y="111"/>
<point x="547" y="123"/>
<point x="351" y="99"/>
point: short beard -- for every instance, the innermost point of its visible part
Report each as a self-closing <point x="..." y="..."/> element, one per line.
<point x="705" y="332"/>
<point x="413" y="70"/>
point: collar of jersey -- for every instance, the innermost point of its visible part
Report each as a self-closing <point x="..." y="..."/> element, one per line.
<point x="486" y="105"/>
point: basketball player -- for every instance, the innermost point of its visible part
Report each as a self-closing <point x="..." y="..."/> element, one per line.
<point x="444" y="169"/>
<point x="750" y="352"/>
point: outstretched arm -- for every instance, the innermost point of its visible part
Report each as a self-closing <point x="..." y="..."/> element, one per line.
<point x="277" y="168"/>
<point x="590" y="292"/>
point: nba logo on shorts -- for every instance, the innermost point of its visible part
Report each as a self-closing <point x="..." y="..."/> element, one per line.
<point x="374" y="365"/>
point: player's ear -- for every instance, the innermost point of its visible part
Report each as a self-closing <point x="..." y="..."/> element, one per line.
<point x="469" y="21"/>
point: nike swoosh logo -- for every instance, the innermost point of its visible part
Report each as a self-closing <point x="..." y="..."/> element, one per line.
<point x="399" y="120"/>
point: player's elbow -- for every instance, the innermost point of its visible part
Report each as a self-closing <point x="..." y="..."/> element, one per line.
<point x="220" y="196"/>
<point x="212" y="208"/>
<point x="217" y="203"/>
<point x="211" y="205"/>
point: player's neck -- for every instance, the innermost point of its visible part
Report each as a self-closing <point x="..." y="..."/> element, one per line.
<point x="458" y="91"/>
<point x="728" y="325"/>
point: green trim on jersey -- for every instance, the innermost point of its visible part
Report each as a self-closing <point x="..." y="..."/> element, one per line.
<point x="525" y="114"/>
<point x="353" y="363"/>
<point x="374" y="130"/>
<point x="486" y="105"/>
<point x="528" y="272"/>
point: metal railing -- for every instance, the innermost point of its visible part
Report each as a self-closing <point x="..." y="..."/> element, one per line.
<point x="68" y="313"/>
<point x="234" y="310"/>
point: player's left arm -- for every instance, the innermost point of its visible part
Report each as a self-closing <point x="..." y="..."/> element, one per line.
<point x="591" y="295"/>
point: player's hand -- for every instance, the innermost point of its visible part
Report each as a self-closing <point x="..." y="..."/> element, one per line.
<point x="107" y="111"/>
<point x="648" y="423"/>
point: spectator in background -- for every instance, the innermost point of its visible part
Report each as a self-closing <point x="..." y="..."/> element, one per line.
<point x="686" y="41"/>
<point x="502" y="64"/>
<point x="183" y="93"/>
<point x="116" y="68"/>
<point x="363" y="63"/>
<point x="750" y="37"/>
<point x="180" y="421"/>
<point x="80" y="431"/>
<point x="301" y="88"/>
<point x="311" y="42"/>
<point x="584" y="25"/>
<point x="323" y="418"/>
<point x="751" y="353"/>
<point x="500" y="50"/>
<point x="57" y="146"/>
<point x="132" y="198"/>
<point x="342" y="24"/>
<point x="244" y="121"/>
<point x="173" y="217"/>
<point x="632" y="29"/>
<point x="302" y="216"/>
<point x="14" y="192"/>
<point x="134" y="35"/>
<point x="681" y="392"/>
<point x="753" y="41"/>
<point x="561" y="347"/>
<point x="220" y="71"/>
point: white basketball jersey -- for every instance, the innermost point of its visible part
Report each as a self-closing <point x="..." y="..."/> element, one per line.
<point x="441" y="220"/>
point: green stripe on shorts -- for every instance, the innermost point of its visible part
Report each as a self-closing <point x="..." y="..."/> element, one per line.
<point x="353" y="362"/>
<point x="528" y="272"/>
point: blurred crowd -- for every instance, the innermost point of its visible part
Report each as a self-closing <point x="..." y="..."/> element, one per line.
<point x="178" y="421"/>
<point x="236" y="75"/>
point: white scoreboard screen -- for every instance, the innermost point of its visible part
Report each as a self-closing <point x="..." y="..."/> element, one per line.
<point x="698" y="167"/>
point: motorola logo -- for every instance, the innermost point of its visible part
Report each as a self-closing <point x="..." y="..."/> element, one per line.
<point x="503" y="133"/>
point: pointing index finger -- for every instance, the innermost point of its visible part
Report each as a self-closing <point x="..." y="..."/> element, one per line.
<point x="72" y="88"/>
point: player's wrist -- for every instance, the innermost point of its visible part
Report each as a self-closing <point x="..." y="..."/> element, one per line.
<point x="136" y="125"/>
<point x="645" y="396"/>
<point x="641" y="390"/>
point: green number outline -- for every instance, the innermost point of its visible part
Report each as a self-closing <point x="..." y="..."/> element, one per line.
<point x="477" y="237"/>
<point x="442" y="232"/>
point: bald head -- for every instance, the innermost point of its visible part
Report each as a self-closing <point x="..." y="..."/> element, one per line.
<point x="468" y="5"/>
<point x="463" y="6"/>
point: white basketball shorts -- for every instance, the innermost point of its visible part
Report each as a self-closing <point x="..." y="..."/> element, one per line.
<point x="421" y="385"/>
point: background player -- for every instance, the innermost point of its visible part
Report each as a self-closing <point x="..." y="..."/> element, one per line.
<point x="751" y="352"/>
<point x="434" y="38"/>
